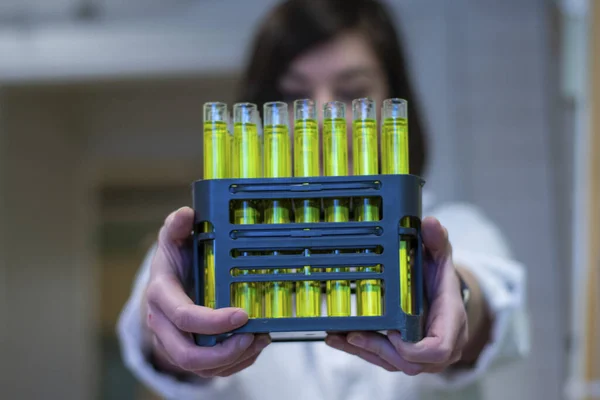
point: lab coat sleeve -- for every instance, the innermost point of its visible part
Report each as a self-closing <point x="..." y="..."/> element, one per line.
<point x="135" y="350"/>
<point x="478" y="246"/>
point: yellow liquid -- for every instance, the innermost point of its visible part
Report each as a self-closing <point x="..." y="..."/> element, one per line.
<point x="209" y="276"/>
<point x="338" y="291"/>
<point x="335" y="160"/>
<point x="308" y="293"/>
<point x="246" y="151"/>
<point x="306" y="148"/>
<point x="278" y="154"/>
<point x="335" y="147"/>
<point x="278" y="295"/>
<point x="247" y="164"/>
<point x="394" y="146"/>
<point x="216" y="166"/>
<point x="405" y="276"/>
<point x="278" y="164"/>
<point x="368" y="292"/>
<point x="306" y="163"/>
<point x="216" y="155"/>
<point x="365" y="151"/>
<point x="395" y="160"/>
<point x="366" y="160"/>
<point x="247" y="295"/>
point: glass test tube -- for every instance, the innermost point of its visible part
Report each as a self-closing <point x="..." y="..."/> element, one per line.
<point x="216" y="166"/>
<point x="395" y="160"/>
<point x="278" y="164"/>
<point x="247" y="164"/>
<point x="306" y="163"/>
<point x="365" y="157"/>
<point x="335" y="160"/>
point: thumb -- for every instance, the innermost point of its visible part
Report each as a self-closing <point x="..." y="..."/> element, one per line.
<point x="171" y="257"/>
<point x="435" y="238"/>
<point x="178" y="227"/>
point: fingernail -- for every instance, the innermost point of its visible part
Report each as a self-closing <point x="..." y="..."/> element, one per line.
<point x="356" y="340"/>
<point x="238" y="318"/>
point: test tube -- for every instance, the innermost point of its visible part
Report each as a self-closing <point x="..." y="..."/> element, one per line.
<point x="247" y="164"/>
<point x="278" y="164"/>
<point x="335" y="160"/>
<point x="395" y="160"/>
<point x="365" y="161"/>
<point x="230" y="142"/>
<point x="215" y="142"/>
<point x="306" y="163"/>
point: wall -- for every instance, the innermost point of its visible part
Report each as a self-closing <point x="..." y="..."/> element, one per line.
<point x="47" y="221"/>
<point x="488" y="78"/>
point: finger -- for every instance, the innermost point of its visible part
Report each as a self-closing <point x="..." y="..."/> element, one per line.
<point x="340" y="343"/>
<point x="259" y="344"/>
<point x="178" y="226"/>
<point x="436" y="348"/>
<point x="238" y="367"/>
<point x="435" y="238"/>
<point x="445" y="326"/>
<point x="169" y="257"/>
<point x="437" y="368"/>
<point x="184" y="353"/>
<point x="380" y="345"/>
<point x="167" y="295"/>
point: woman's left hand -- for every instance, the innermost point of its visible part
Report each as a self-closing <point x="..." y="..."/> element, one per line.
<point x="446" y="328"/>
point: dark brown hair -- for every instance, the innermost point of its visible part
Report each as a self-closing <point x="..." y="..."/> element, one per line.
<point x="296" y="26"/>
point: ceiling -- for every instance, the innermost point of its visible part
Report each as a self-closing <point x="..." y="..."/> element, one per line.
<point x="45" y="10"/>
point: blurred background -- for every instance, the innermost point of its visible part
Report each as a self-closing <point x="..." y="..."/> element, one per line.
<point x="100" y="138"/>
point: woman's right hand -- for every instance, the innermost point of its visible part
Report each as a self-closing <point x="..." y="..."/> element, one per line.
<point x="172" y="317"/>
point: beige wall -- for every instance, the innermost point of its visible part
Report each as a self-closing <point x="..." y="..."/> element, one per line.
<point x="592" y="346"/>
<point x="47" y="220"/>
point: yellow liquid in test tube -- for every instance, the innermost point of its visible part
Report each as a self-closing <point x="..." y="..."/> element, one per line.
<point x="278" y="164"/>
<point x="395" y="160"/>
<point x="216" y="161"/>
<point x="365" y="161"/>
<point x="247" y="164"/>
<point x="335" y="160"/>
<point x="306" y="163"/>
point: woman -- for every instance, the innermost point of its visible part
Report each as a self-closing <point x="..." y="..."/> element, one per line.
<point x="332" y="50"/>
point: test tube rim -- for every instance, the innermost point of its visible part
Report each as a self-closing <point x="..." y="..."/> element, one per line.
<point x="285" y="109"/>
<point x="371" y="100"/>
<point x="212" y="104"/>
<point x="389" y="103"/>
<point x="305" y="102"/>
<point x="253" y="107"/>
<point x="340" y="104"/>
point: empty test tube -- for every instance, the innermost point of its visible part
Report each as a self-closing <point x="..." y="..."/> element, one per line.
<point x="306" y="163"/>
<point x="216" y="166"/>
<point x="365" y="161"/>
<point x="335" y="160"/>
<point x="247" y="164"/>
<point x="395" y="160"/>
<point x="278" y="164"/>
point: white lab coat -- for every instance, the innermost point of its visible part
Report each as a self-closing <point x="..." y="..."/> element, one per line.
<point x="295" y="371"/>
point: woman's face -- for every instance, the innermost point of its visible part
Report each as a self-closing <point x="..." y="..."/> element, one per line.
<point x="344" y="69"/>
